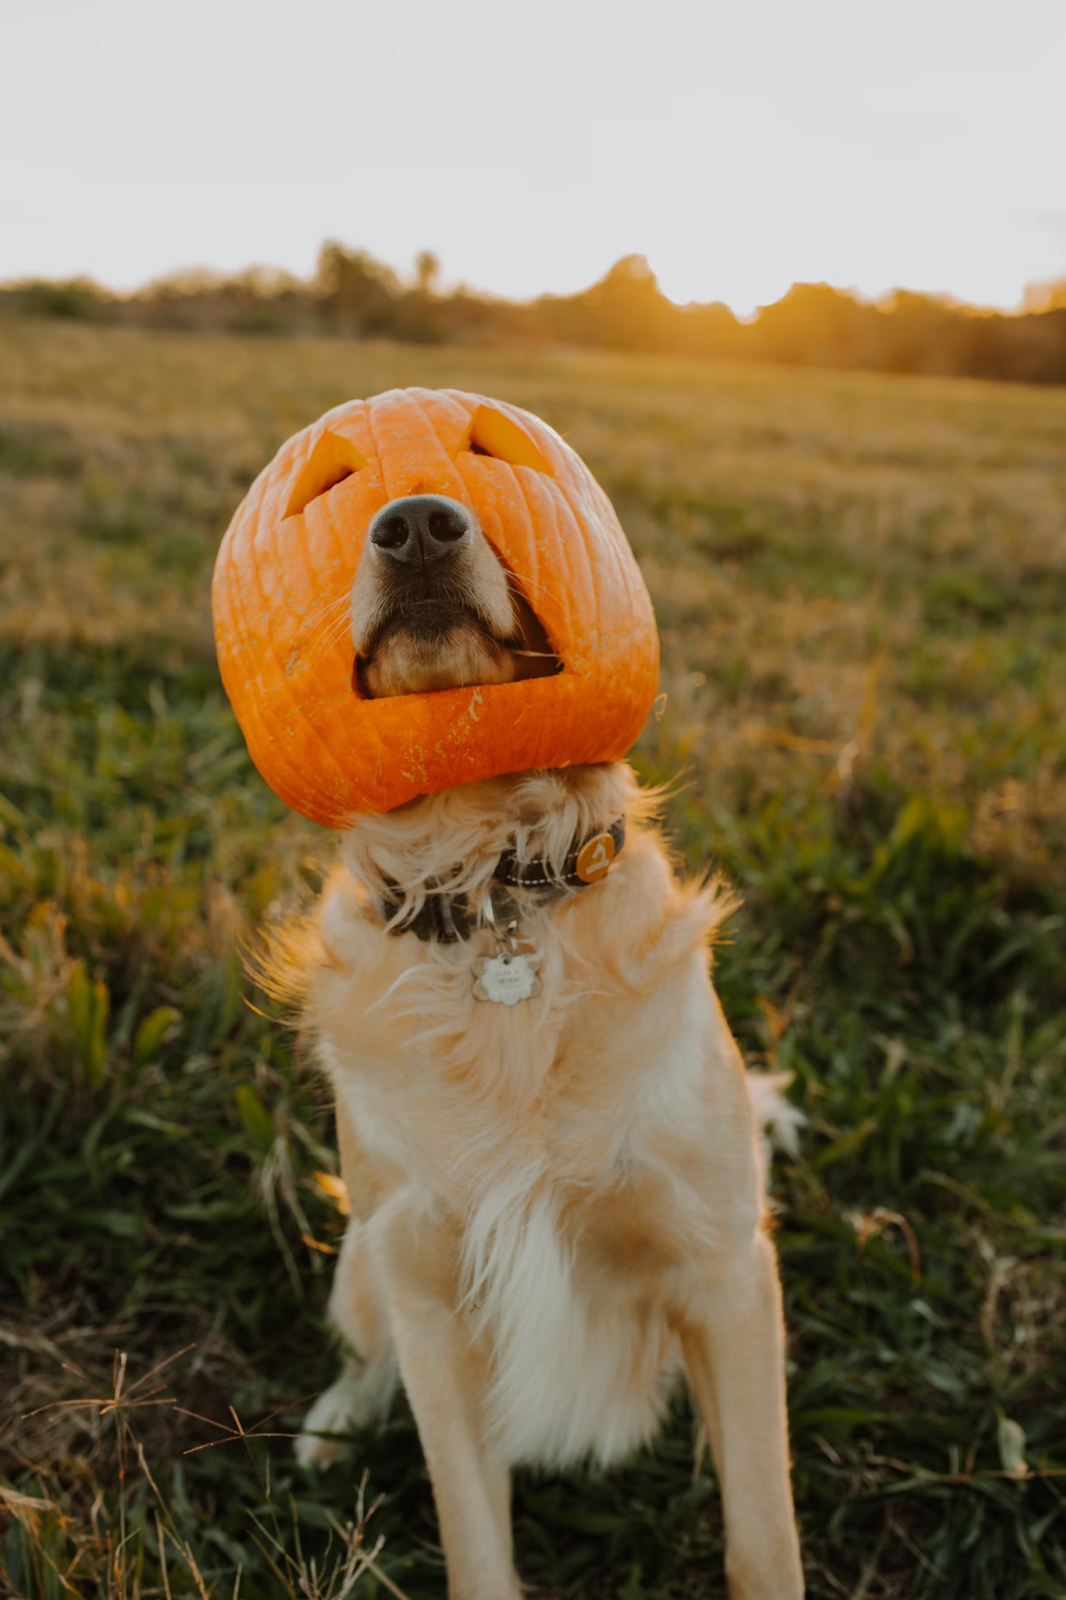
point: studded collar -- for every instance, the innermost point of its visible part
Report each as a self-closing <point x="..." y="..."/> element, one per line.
<point x="447" y="920"/>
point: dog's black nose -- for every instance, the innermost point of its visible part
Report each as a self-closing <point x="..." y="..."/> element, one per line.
<point x="421" y="528"/>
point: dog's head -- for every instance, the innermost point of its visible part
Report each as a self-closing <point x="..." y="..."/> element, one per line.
<point x="434" y="608"/>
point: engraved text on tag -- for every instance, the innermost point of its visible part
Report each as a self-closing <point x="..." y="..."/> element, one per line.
<point x="506" y="978"/>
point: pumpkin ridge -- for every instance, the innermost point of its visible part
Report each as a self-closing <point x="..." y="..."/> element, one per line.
<point x="237" y="608"/>
<point x="329" y="537"/>
<point x="522" y="580"/>
<point x="546" y="493"/>
<point x="450" y="464"/>
<point x="283" y="686"/>
<point x="452" y="396"/>
<point x="377" y="449"/>
<point x="261" y="711"/>
<point x="577" y="643"/>
<point x="250" y="570"/>
<point x="533" y="579"/>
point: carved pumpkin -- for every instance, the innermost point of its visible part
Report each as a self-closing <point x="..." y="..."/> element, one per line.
<point x="284" y="576"/>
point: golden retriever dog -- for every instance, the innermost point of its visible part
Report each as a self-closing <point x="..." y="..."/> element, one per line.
<point x="546" y="1130"/>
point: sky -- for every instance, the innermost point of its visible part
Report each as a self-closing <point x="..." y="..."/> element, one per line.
<point x="741" y="145"/>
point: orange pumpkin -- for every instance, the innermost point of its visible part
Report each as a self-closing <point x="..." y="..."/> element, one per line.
<point x="285" y="571"/>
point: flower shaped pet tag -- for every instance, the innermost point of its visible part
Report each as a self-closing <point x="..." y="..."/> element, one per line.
<point x="506" y="978"/>
<point x="511" y="974"/>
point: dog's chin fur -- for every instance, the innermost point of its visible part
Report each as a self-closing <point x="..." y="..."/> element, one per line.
<point x="557" y="1207"/>
<point x="406" y="662"/>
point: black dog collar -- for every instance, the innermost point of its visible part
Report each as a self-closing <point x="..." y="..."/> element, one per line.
<point x="586" y="863"/>
<point x="447" y="921"/>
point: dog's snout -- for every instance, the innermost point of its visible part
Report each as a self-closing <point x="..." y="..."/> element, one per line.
<point x="421" y="528"/>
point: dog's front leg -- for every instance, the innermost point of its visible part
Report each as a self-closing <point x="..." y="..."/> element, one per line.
<point x="444" y="1382"/>
<point x="733" y="1344"/>
<point x="445" y="1373"/>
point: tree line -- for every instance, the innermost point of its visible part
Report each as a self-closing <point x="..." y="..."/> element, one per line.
<point x="352" y="295"/>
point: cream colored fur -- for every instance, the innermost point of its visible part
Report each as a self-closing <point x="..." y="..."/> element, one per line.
<point x="557" y="1207"/>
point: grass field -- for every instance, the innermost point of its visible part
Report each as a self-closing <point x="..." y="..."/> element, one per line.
<point x="861" y="586"/>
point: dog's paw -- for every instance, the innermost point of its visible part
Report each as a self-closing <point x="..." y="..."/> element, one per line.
<point x="359" y="1398"/>
<point x="314" y="1452"/>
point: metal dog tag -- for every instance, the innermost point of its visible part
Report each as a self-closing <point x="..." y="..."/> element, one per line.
<point x="506" y="978"/>
<point x="511" y="974"/>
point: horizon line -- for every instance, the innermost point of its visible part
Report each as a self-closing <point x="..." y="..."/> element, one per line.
<point x="216" y="278"/>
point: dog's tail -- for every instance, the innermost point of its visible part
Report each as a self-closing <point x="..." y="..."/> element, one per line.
<point x="778" y="1121"/>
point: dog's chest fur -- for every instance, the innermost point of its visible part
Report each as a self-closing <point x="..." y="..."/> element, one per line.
<point x="585" y="1154"/>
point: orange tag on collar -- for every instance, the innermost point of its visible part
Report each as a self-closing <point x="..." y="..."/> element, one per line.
<point x="594" y="858"/>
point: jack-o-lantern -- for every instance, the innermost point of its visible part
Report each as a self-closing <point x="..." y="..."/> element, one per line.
<point x="284" y="577"/>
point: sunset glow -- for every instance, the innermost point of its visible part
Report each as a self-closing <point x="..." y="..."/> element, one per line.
<point x="740" y="148"/>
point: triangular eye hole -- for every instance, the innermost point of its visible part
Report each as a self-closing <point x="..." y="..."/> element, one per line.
<point x="333" y="459"/>
<point x="491" y="433"/>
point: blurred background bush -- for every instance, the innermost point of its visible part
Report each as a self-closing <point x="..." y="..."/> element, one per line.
<point x="353" y="296"/>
